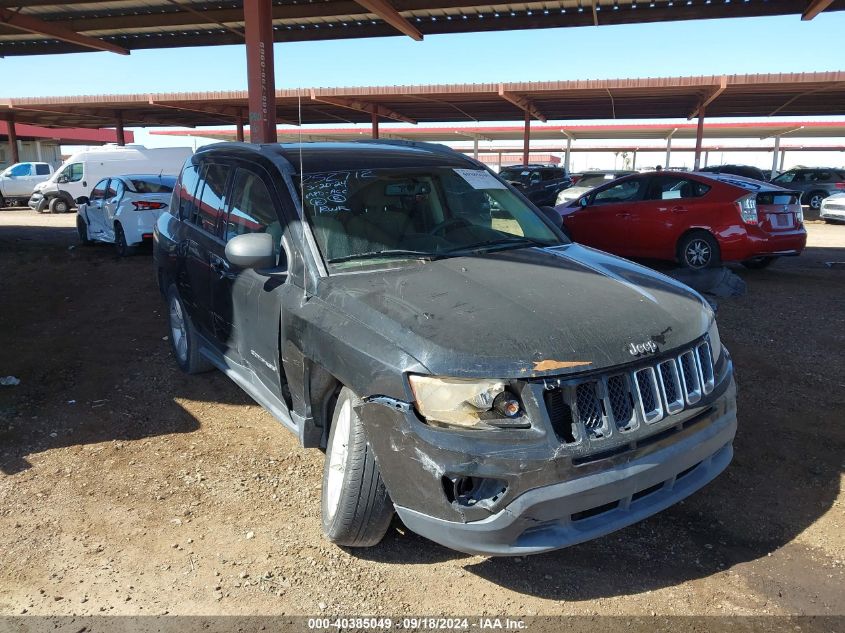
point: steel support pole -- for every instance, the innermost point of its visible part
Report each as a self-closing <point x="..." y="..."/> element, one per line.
<point x="261" y="81"/>
<point x="375" y="124"/>
<point x="634" y="163"/>
<point x="706" y="158"/>
<point x="775" y="157"/>
<point x="568" y="152"/>
<point x="500" y="161"/>
<point x="699" y="137"/>
<point x="121" y="136"/>
<point x="668" y="152"/>
<point x="475" y="147"/>
<point x="13" y="139"/>
<point x="782" y="158"/>
<point x="239" y="127"/>
<point x="526" y="139"/>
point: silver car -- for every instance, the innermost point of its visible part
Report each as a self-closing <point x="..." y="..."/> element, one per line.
<point x="833" y="208"/>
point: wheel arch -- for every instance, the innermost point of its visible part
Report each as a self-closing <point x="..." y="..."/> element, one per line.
<point x="694" y="230"/>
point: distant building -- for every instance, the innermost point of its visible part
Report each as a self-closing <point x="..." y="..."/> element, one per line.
<point x="43" y="144"/>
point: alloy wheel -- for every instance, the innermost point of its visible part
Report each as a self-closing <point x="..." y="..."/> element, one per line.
<point x="698" y="253"/>
<point x="178" y="330"/>
<point x="338" y="455"/>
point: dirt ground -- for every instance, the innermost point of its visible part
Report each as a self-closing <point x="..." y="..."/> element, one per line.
<point x="127" y="487"/>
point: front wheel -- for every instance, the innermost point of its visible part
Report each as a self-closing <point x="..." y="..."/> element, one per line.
<point x="698" y="251"/>
<point x="356" y="509"/>
<point x="756" y="263"/>
<point x="82" y="231"/>
<point x="123" y="249"/>
<point x="59" y="205"/>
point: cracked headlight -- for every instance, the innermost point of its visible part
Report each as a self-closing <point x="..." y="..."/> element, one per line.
<point x="715" y="341"/>
<point x="466" y="403"/>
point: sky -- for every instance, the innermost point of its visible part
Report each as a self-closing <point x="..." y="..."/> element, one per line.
<point x="701" y="47"/>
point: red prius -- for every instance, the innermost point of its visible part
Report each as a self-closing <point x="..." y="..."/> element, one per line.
<point x="695" y="219"/>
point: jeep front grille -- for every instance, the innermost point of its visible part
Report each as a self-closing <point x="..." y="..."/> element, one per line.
<point x="598" y="406"/>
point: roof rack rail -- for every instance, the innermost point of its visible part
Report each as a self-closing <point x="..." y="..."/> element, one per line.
<point x="434" y="147"/>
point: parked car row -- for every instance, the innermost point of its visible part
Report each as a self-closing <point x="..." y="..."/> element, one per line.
<point x="18" y="181"/>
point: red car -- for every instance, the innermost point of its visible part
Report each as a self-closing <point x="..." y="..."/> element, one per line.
<point x="696" y="219"/>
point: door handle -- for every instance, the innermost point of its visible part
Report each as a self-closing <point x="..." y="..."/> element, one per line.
<point x="623" y="214"/>
<point x="679" y="210"/>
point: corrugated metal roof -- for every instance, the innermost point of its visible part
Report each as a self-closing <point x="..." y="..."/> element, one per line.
<point x="140" y="24"/>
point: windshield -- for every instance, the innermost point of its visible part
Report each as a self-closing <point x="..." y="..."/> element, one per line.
<point x="368" y="217"/>
<point x="519" y="174"/>
<point x="594" y="180"/>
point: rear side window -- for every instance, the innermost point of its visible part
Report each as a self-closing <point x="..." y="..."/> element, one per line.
<point x="115" y="189"/>
<point x="42" y="170"/>
<point x="251" y="209"/>
<point x="821" y="176"/>
<point x="153" y="184"/>
<point x="550" y="174"/>
<point x="209" y="204"/>
<point x="673" y="188"/>
<point x="187" y="191"/>
<point x="625" y="191"/>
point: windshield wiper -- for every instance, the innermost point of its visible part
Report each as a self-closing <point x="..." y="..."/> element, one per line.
<point x="505" y="242"/>
<point x="392" y="253"/>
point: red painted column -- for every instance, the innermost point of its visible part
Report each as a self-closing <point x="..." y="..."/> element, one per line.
<point x="375" y="125"/>
<point x="13" y="139"/>
<point x="699" y="136"/>
<point x="239" y="127"/>
<point x="121" y="137"/>
<point x="526" y="139"/>
<point x="258" y="21"/>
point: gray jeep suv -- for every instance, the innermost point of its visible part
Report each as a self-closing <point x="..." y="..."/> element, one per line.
<point x="461" y="362"/>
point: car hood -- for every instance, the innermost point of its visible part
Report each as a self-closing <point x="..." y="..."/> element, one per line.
<point x="519" y="313"/>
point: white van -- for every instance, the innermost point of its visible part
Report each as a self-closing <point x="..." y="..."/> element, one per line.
<point x="79" y="173"/>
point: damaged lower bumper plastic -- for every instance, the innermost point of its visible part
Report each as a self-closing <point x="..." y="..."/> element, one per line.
<point x="570" y="512"/>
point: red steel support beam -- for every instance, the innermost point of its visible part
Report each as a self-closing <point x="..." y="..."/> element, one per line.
<point x="258" y="21"/>
<point x="526" y="137"/>
<point x="375" y="125"/>
<point x="29" y="24"/>
<point x="121" y="137"/>
<point x="239" y="127"/>
<point x="814" y="8"/>
<point x="388" y="13"/>
<point x="699" y="137"/>
<point x="13" y="138"/>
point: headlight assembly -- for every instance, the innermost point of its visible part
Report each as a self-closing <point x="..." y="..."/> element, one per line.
<point x="467" y="403"/>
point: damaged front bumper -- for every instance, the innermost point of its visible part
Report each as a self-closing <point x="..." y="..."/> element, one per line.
<point x="524" y="491"/>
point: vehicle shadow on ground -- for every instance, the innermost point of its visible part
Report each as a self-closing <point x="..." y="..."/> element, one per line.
<point x="84" y="332"/>
<point x="785" y="474"/>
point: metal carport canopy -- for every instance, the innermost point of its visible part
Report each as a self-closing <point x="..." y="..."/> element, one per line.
<point x="64" y="26"/>
<point x="788" y="94"/>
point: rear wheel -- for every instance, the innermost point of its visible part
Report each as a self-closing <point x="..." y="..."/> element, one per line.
<point x="123" y="249"/>
<point x="183" y="337"/>
<point x="59" y="205"/>
<point x="814" y="199"/>
<point x="698" y="250"/>
<point x="356" y="509"/>
<point x="755" y="263"/>
<point x="82" y="230"/>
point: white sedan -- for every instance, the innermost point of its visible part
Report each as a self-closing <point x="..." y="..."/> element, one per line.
<point x="123" y="210"/>
<point x="833" y="208"/>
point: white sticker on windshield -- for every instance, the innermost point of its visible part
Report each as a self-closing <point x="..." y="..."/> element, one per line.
<point x="480" y="179"/>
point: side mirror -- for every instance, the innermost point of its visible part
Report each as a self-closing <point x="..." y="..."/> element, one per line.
<point x="82" y="200"/>
<point x="251" y="250"/>
<point x="61" y="179"/>
<point x="553" y="215"/>
<point x="583" y="202"/>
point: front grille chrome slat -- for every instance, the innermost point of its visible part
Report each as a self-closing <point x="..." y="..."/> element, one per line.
<point x="690" y="377"/>
<point x="598" y="407"/>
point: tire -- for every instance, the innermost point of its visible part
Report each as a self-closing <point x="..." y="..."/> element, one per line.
<point x="123" y="249"/>
<point x="814" y="199"/>
<point x="356" y="509"/>
<point x="183" y="337"/>
<point x="757" y="263"/>
<point x="82" y="231"/>
<point x="698" y="250"/>
<point x="59" y="205"/>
